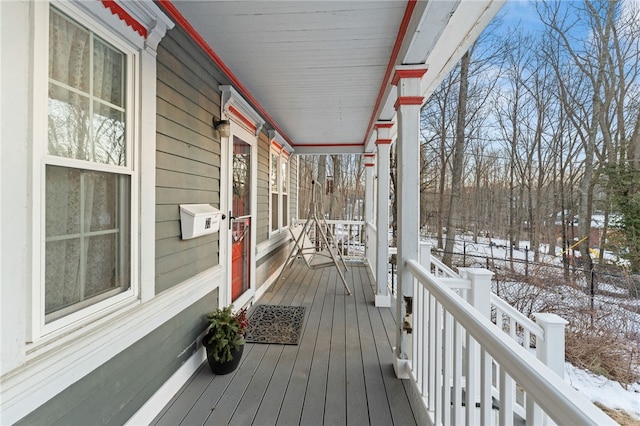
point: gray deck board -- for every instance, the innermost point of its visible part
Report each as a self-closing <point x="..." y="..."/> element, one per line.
<point x="294" y="398"/>
<point x="340" y="372"/>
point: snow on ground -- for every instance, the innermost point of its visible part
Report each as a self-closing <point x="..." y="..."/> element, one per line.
<point x="607" y="392"/>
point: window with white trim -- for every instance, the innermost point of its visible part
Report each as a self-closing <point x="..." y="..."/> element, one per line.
<point x="284" y="188"/>
<point x="88" y="173"/>
<point x="279" y="184"/>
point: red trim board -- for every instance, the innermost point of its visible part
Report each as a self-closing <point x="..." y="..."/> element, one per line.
<point x="414" y="73"/>
<point x="242" y="118"/>
<point x="408" y="100"/>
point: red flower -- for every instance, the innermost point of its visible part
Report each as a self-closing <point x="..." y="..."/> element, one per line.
<point x="241" y="318"/>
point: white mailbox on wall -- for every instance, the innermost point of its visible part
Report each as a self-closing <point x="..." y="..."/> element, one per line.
<point x="199" y="219"/>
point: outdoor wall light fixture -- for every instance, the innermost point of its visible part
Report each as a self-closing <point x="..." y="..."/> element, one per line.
<point x="223" y="127"/>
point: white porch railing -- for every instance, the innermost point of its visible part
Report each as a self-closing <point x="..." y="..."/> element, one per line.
<point x="472" y="358"/>
<point x="370" y="252"/>
<point x="349" y="236"/>
<point x="469" y="371"/>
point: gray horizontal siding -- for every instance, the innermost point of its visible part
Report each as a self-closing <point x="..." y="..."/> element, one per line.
<point x="187" y="157"/>
<point x="115" y="391"/>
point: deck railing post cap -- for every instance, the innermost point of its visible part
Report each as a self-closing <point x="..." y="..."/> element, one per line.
<point x="549" y="319"/>
<point x="478" y="272"/>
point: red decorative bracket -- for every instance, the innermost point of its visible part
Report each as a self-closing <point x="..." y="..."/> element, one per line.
<point x="117" y="10"/>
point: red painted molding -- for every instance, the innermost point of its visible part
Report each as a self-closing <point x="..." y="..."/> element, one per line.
<point x="242" y="118"/>
<point x="383" y="125"/>
<point x="369" y="154"/>
<point x="175" y="14"/>
<point x="412" y="73"/>
<point x="402" y="32"/>
<point x="323" y="145"/>
<point x="384" y="142"/>
<point x="408" y="100"/>
<point x="369" y="164"/>
<point x="280" y="148"/>
<point x="117" y="10"/>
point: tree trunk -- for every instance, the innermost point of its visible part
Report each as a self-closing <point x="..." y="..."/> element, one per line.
<point x="458" y="156"/>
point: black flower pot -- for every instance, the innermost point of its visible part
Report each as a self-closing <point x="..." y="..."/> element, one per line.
<point x="223" y="367"/>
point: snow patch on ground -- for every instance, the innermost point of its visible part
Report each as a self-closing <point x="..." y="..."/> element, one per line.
<point x="607" y="392"/>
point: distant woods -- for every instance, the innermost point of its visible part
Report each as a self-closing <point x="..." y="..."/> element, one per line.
<point x="533" y="136"/>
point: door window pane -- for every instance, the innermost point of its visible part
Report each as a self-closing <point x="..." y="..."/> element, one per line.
<point x="241" y="178"/>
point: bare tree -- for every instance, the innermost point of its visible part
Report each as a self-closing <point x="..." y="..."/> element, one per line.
<point x="437" y="120"/>
<point x="458" y="154"/>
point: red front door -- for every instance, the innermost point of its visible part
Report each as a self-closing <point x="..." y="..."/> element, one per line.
<point x="241" y="219"/>
<point x="240" y="252"/>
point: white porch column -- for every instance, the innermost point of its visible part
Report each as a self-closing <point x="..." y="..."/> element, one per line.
<point x="407" y="79"/>
<point x="369" y="164"/>
<point x="383" y="142"/>
<point x="369" y="193"/>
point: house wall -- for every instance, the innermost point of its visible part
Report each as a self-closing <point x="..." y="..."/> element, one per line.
<point x="187" y="159"/>
<point x="115" y="391"/>
<point x="103" y="369"/>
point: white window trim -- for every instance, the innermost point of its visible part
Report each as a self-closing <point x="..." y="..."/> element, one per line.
<point x="273" y="152"/>
<point x="285" y="156"/>
<point x="279" y="147"/>
<point x="140" y="127"/>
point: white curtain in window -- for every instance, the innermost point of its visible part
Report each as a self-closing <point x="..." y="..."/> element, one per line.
<point x="86" y="95"/>
<point x="87" y="212"/>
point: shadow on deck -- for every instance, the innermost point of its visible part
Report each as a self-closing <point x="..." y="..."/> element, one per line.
<point x="340" y="372"/>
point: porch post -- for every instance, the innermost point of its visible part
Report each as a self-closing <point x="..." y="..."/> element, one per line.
<point x="369" y="176"/>
<point x="383" y="142"/>
<point x="369" y="164"/>
<point x="407" y="79"/>
<point x="369" y="227"/>
<point x="550" y="350"/>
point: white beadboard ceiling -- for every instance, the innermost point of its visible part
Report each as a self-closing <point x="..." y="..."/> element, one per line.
<point x="319" y="70"/>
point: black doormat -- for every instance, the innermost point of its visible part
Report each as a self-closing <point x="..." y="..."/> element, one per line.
<point x="275" y="324"/>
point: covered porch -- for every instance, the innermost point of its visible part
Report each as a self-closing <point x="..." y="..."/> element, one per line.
<point x="441" y="350"/>
<point x="290" y="78"/>
<point x="339" y="373"/>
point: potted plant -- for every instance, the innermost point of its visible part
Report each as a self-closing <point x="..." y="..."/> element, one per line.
<point x="224" y="341"/>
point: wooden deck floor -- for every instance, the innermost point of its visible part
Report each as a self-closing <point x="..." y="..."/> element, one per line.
<point x="340" y="372"/>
